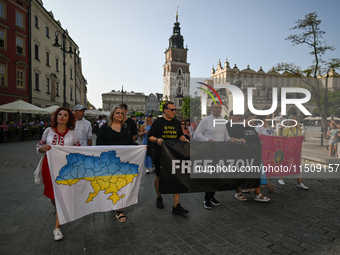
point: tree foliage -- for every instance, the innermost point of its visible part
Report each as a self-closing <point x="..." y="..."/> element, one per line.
<point x="191" y="107"/>
<point x="139" y="114"/>
<point x="333" y="104"/>
<point x="161" y="106"/>
<point x="312" y="36"/>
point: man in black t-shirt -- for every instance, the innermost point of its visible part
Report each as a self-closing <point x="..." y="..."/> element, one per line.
<point x="130" y="123"/>
<point x="166" y="128"/>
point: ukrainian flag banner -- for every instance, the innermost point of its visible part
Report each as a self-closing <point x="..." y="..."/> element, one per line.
<point x="94" y="178"/>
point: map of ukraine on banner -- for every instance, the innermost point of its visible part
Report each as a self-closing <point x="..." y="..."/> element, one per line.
<point x="281" y="156"/>
<point x="94" y="178"/>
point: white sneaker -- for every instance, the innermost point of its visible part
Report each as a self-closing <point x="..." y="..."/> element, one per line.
<point x="301" y="186"/>
<point x="281" y="181"/>
<point x="147" y="170"/>
<point x="57" y="234"/>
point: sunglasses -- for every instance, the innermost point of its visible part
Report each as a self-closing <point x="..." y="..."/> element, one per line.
<point x="173" y="110"/>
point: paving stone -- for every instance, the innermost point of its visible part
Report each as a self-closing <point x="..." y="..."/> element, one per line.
<point x="280" y="249"/>
<point x="292" y="247"/>
<point x="294" y="222"/>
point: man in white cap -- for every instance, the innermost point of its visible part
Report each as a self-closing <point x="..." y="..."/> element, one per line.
<point x="83" y="126"/>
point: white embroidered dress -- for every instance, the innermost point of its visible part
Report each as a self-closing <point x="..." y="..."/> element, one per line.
<point x="53" y="137"/>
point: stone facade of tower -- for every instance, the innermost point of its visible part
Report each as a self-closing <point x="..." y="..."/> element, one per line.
<point x="176" y="75"/>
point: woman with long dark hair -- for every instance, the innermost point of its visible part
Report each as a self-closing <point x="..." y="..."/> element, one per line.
<point x="61" y="133"/>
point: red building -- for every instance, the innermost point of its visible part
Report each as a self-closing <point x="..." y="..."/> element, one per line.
<point x="14" y="51"/>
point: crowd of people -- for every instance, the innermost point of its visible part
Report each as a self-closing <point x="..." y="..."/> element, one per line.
<point x="70" y="128"/>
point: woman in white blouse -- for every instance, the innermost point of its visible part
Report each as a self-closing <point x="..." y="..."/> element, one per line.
<point x="62" y="133"/>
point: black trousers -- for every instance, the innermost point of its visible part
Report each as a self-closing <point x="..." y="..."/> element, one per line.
<point x="209" y="195"/>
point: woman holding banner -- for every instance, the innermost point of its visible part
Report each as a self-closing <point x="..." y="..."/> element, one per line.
<point x="265" y="129"/>
<point x="293" y="131"/>
<point x="61" y="133"/>
<point x="249" y="134"/>
<point x="115" y="132"/>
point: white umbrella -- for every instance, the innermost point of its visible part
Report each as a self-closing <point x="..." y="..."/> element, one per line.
<point x="52" y="109"/>
<point x="309" y="118"/>
<point x="20" y="106"/>
<point x="103" y="113"/>
<point x="97" y="112"/>
<point x="335" y="118"/>
<point x="90" y="113"/>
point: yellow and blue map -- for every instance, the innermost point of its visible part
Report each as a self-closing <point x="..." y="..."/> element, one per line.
<point x="105" y="173"/>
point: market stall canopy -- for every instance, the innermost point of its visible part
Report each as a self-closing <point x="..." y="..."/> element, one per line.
<point x="52" y="109"/>
<point x="20" y="106"/>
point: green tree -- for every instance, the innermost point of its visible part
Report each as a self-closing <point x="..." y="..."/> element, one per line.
<point x="312" y="36"/>
<point x="191" y="107"/>
<point x="333" y="103"/>
<point x="161" y="107"/>
<point x="139" y="114"/>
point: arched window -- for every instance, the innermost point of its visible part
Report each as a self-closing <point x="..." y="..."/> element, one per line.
<point x="179" y="90"/>
<point x="179" y="71"/>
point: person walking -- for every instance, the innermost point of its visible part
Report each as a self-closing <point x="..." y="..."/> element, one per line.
<point x="333" y="139"/>
<point x="61" y="133"/>
<point x="157" y="134"/>
<point x="250" y="135"/>
<point x="83" y="126"/>
<point x="266" y="129"/>
<point x="103" y="121"/>
<point x="131" y="124"/>
<point x="292" y="131"/>
<point x="206" y="131"/>
<point x="115" y="132"/>
<point x="185" y="131"/>
<point x="144" y="132"/>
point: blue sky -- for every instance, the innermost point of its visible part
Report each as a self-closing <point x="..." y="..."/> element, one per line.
<point x="123" y="42"/>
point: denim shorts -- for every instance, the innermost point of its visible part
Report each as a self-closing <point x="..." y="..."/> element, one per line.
<point x="333" y="141"/>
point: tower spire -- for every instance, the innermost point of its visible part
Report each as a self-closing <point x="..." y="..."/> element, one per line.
<point x="176" y="40"/>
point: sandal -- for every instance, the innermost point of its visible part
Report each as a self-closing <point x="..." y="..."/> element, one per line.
<point x="240" y="197"/>
<point x="120" y="216"/>
<point x="260" y="198"/>
<point x="271" y="189"/>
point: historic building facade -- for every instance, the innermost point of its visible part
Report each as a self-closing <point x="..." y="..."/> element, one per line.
<point x="151" y="104"/>
<point x="47" y="62"/>
<point x="176" y="74"/>
<point x="14" y="51"/>
<point x="262" y="84"/>
<point x="81" y="83"/>
<point x="134" y="100"/>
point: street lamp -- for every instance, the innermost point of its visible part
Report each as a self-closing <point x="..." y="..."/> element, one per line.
<point x="64" y="51"/>
<point x="122" y="94"/>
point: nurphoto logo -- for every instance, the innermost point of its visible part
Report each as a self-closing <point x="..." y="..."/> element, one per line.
<point x="238" y="103"/>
